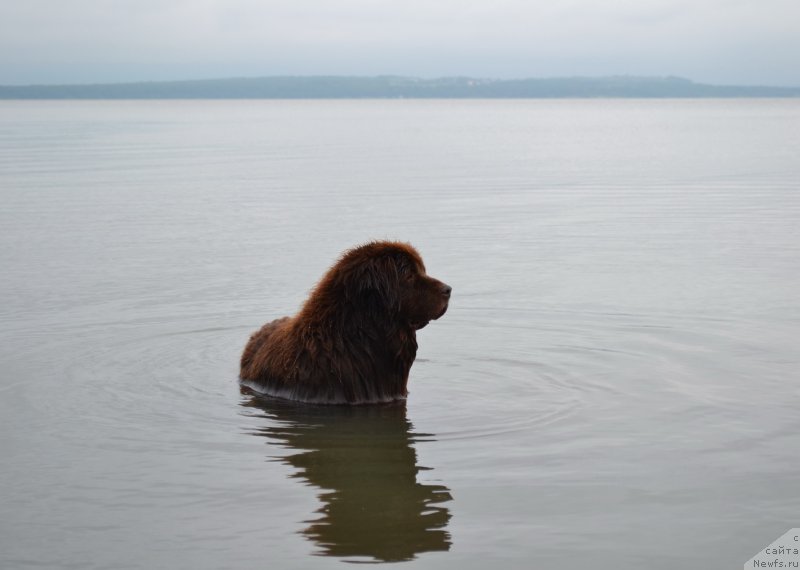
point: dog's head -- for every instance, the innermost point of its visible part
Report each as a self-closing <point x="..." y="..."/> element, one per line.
<point x="392" y="275"/>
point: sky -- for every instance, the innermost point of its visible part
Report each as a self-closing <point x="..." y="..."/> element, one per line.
<point x="739" y="42"/>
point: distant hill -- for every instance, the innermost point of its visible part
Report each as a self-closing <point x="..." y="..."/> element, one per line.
<point x="386" y="87"/>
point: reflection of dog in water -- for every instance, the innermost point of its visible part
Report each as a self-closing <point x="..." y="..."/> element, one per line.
<point x="362" y="460"/>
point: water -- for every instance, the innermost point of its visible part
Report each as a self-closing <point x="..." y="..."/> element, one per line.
<point x="615" y="384"/>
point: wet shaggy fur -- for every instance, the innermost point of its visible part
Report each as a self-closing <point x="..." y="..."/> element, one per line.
<point x="354" y="339"/>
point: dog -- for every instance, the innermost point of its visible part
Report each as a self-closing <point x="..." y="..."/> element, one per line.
<point x="354" y="339"/>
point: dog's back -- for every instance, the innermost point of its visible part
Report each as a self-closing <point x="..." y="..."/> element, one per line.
<point x="257" y="340"/>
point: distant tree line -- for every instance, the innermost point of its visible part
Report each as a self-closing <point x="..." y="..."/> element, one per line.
<point x="387" y="87"/>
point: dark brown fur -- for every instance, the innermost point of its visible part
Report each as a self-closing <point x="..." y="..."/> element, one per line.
<point x="354" y="340"/>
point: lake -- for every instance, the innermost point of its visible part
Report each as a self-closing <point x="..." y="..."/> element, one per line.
<point x="615" y="385"/>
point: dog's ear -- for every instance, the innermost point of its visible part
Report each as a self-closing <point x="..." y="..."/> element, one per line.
<point x="380" y="278"/>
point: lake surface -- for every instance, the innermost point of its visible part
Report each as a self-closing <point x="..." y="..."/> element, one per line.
<point x="616" y="384"/>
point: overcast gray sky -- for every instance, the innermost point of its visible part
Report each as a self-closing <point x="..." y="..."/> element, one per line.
<point x="716" y="41"/>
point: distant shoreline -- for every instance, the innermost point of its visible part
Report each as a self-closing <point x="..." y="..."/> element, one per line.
<point x="392" y="87"/>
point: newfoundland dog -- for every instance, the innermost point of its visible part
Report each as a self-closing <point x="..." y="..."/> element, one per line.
<point x="354" y="339"/>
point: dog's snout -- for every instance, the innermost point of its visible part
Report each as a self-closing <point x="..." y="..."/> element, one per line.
<point x="446" y="289"/>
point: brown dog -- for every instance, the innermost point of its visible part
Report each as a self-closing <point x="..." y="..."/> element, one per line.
<point x="354" y="340"/>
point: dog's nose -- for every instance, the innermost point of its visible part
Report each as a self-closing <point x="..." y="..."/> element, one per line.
<point x="446" y="289"/>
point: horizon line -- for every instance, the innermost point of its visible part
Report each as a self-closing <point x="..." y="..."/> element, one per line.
<point x="668" y="77"/>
